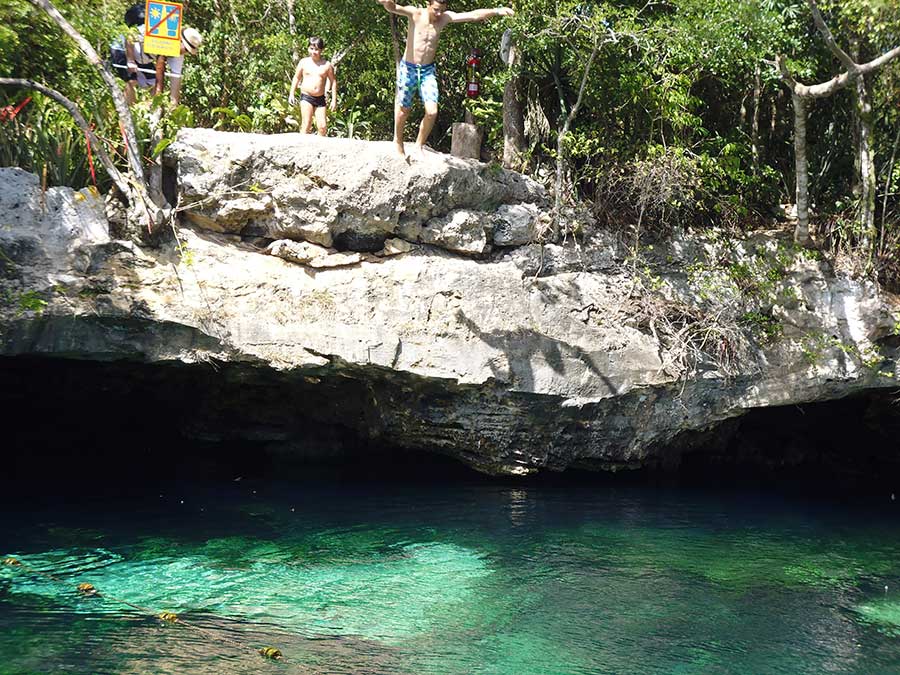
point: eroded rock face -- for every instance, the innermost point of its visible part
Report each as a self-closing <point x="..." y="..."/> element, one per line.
<point x="47" y="239"/>
<point x="524" y="361"/>
<point x="349" y="194"/>
<point x="55" y="226"/>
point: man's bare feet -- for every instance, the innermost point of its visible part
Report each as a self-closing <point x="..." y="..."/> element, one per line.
<point x="421" y="152"/>
<point x="399" y="149"/>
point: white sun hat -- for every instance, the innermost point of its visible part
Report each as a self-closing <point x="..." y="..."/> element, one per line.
<point x="191" y="40"/>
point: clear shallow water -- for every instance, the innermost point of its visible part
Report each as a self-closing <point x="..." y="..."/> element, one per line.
<point x="452" y="579"/>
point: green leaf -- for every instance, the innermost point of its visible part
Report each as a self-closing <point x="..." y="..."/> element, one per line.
<point x="162" y="145"/>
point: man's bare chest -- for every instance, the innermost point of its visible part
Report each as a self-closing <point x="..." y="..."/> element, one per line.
<point x="428" y="31"/>
<point x="313" y="69"/>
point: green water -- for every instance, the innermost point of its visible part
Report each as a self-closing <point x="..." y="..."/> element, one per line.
<point x="452" y="579"/>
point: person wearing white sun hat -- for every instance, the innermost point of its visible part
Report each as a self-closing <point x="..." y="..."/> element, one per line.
<point x="190" y="44"/>
<point x="137" y="68"/>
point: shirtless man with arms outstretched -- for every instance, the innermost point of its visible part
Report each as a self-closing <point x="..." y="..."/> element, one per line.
<point x="313" y="74"/>
<point x="416" y="70"/>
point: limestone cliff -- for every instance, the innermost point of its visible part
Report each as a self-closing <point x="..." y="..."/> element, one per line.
<point x="435" y="322"/>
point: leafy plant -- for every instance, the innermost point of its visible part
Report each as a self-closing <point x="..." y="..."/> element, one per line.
<point x="231" y="120"/>
<point x="351" y="122"/>
<point x="31" y="301"/>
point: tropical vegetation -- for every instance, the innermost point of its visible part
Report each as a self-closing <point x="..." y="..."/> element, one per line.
<point x="655" y="114"/>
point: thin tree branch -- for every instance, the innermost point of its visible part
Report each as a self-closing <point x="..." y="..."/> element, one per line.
<point x="822" y="27"/>
<point x="584" y="78"/>
<point x="876" y="63"/>
<point x="341" y="53"/>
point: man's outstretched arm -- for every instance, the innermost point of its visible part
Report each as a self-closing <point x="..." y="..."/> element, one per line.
<point x="477" y="14"/>
<point x="394" y="8"/>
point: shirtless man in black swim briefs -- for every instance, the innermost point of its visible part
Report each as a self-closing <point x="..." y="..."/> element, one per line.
<point x="313" y="72"/>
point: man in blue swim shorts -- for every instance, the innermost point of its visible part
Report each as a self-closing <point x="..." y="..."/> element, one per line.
<point x="416" y="72"/>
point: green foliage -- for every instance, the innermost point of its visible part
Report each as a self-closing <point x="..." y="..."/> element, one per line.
<point x="817" y="346"/>
<point x="766" y="329"/>
<point x="488" y="114"/>
<point x="668" y="105"/>
<point x="231" y="120"/>
<point x="26" y="301"/>
<point x="43" y="137"/>
<point x="351" y="123"/>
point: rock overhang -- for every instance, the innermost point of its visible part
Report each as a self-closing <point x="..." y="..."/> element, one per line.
<point x="508" y="367"/>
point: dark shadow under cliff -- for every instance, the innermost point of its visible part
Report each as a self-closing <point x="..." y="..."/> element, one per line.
<point x="82" y="425"/>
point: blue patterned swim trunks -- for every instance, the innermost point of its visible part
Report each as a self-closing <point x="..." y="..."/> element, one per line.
<point x="410" y="77"/>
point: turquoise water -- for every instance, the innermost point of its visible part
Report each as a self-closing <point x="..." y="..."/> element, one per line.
<point x="451" y="579"/>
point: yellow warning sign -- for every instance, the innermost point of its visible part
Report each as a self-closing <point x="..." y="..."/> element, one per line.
<point x="162" y="28"/>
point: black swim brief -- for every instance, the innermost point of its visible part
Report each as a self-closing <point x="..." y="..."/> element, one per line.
<point x="314" y="101"/>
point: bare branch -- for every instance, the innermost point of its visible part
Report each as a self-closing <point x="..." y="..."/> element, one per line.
<point x="853" y="69"/>
<point x="339" y="55"/>
<point x="821" y="90"/>
<point x="584" y="79"/>
<point x="822" y="27"/>
<point x="876" y="63"/>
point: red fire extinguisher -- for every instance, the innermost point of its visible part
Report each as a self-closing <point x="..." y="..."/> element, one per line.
<point x="472" y="64"/>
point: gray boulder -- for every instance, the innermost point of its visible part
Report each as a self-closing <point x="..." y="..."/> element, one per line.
<point x="344" y="193"/>
<point x="47" y="234"/>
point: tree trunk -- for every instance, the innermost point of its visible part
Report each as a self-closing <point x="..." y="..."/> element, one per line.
<point x="754" y="121"/>
<point x="513" y="113"/>
<point x="395" y="39"/>
<point x="887" y="189"/>
<point x="292" y="31"/>
<point x="856" y="186"/>
<point x="866" y="169"/>
<point x="561" y="164"/>
<point x="801" y="231"/>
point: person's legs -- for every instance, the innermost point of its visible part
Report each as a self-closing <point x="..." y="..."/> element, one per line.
<point x="306" y="114"/>
<point x="431" y="111"/>
<point x="174" y="89"/>
<point x="160" y="75"/>
<point x="400" y="116"/>
<point x="407" y="78"/>
<point x="428" y="91"/>
<point x="322" y="120"/>
<point x="130" y="96"/>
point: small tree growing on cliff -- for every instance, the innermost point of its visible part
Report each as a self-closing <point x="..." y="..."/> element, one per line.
<point x="572" y="37"/>
<point x="133" y="186"/>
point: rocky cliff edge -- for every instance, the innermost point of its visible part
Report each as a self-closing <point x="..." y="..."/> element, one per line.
<point x="511" y="355"/>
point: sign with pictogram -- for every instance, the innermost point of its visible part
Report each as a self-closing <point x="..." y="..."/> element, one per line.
<point x="162" y="28"/>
